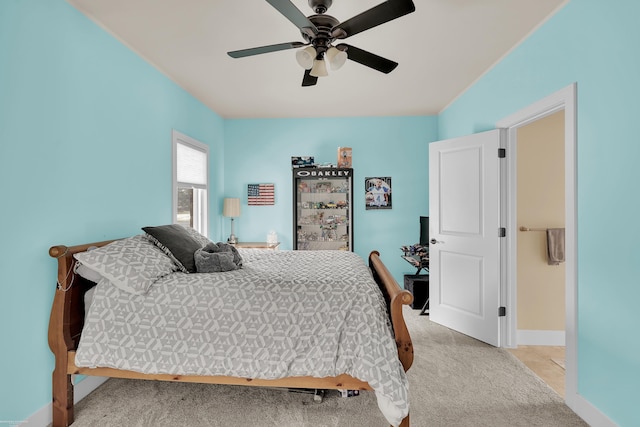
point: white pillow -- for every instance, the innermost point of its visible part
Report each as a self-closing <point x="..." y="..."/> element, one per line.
<point x="87" y="273"/>
<point x="133" y="264"/>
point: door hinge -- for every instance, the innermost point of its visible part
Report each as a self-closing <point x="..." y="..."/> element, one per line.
<point x="502" y="311"/>
<point x="502" y="232"/>
<point x="502" y="153"/>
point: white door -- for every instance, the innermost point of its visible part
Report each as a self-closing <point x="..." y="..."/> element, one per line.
<point x="464" y="219"/>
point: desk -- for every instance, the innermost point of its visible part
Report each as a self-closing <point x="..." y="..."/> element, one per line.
<point x="418" y="284"/>
<point x="257" y="245"/>
<point x="421" y="263"/>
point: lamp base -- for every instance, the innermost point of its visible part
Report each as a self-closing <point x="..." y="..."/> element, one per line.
<point x="232" y="240"/>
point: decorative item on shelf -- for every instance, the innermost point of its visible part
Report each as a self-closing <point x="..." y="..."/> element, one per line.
<point x="272" y="238"/>
<point x="344" y="157"/>
<point x="260" y="194"/>
<point x="324" y="187"/>
<point x="231" y="209"/>
<point x="301" y="161"/>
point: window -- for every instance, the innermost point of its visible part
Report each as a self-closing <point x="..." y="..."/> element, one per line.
<point x="190" y="182"/>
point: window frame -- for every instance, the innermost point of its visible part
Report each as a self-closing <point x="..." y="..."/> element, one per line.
<point x="201" y="201"/>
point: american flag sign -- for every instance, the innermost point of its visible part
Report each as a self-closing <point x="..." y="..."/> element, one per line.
<point x="260" y="194"/>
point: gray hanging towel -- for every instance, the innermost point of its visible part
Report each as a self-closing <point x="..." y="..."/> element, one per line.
<point x="555" y="245"/>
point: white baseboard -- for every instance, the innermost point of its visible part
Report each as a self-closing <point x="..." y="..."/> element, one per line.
<point x="577" y="403"/>
<point x="588" y="412"/>
<point x="42" y="417"/>
<point x="533" y="337"/>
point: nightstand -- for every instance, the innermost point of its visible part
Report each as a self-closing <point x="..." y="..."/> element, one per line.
<point x="257" y="245"/>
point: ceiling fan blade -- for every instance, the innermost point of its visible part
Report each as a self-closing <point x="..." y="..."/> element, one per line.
<point x="293" y="14"/>
<point x="375" y="16"/>
<point x="368" y="59"/>
<point x="264" y="49"/>
<point x="308" y="79"/>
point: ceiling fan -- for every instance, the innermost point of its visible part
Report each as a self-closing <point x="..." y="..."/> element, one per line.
<point x="320" y="31"/>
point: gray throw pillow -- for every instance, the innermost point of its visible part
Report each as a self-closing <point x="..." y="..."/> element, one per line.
<point x="177" y="243"/>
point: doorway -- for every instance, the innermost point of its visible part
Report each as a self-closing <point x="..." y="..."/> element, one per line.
<point x="561" y="101"/>
<point x="540" y="285"/>
<point x="540" y="206"/>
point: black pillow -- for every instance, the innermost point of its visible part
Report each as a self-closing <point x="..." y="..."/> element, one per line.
<point x="176" y="242"/>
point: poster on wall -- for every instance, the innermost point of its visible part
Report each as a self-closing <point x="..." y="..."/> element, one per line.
<point x="378" y="192"/>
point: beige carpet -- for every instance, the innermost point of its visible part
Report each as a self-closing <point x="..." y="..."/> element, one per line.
<point x="454" y="381"/>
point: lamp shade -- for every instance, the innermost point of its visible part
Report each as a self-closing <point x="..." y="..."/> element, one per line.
<point x="319" y="68"/>
<point x="336" y="58"/>
<point x="305" y="57"/>
<point x="231" y="207"/>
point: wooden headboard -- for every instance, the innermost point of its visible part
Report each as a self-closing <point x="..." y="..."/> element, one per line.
<point x="68" y="320"/>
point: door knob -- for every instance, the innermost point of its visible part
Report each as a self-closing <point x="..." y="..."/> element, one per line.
<point x="434" y="241"/>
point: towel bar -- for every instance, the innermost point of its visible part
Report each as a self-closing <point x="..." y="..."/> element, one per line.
<point x="532" y="229"/>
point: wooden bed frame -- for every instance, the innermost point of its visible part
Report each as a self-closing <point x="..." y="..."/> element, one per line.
<point x="67" y="320"/>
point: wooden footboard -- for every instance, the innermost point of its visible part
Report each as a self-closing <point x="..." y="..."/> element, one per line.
<point x="395" y="298"/>
<point x="67" y="320"/>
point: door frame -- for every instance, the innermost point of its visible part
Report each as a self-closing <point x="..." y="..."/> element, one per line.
<point x="564" y="99"/>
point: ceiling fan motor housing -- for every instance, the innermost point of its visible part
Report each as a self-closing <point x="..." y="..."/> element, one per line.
<point x="320" y="6"/>
<point x="323" y="39"/>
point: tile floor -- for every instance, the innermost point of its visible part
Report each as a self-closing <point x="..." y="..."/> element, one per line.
<point x="546" y="361"/>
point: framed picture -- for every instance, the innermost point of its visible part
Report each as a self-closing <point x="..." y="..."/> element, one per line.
<point x="378" y="192"/>
<point x="260" y="194"/>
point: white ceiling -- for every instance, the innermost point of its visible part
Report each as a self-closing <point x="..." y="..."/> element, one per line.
<point x="442" y="48"/>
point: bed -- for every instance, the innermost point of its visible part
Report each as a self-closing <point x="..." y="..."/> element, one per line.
<point x="292" y="290"/>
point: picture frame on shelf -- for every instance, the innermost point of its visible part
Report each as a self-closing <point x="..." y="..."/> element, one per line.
<point x="344" y="157"/>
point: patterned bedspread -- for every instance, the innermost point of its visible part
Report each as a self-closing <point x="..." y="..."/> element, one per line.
<point x="285" y="313"/>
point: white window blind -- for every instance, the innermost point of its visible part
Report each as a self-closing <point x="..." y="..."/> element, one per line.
<point x="190" y="182"/>
<point x="191" y="165"/>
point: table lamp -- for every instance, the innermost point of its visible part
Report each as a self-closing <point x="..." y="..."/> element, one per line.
<point x="231" y="209"/>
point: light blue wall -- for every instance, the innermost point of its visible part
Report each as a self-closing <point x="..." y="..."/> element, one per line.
<point x="85" y="155"/>
<point x="260" y="152"/>
<point x="595" y="44"/>
<point x="73" y="100"/>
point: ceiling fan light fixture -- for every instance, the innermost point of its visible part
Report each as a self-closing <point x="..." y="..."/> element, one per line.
<point x="336" y="58"/>
<point x="306" y="57"/>
<point x="319" y="68"/>
<point x="319" y="31"/>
